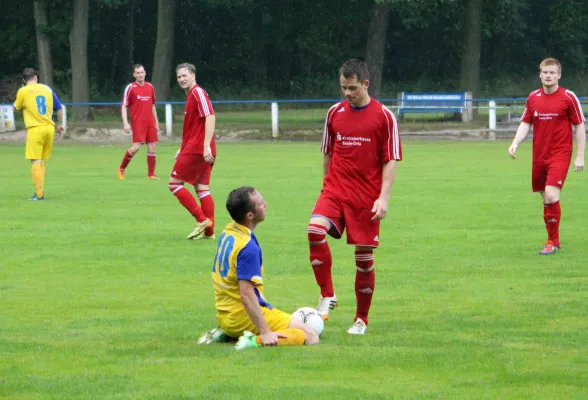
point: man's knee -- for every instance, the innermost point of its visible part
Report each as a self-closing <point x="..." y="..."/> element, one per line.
<point x="174" y="185"/>
<point x="551" y="194"/>
<point x="311" y="337"/>
<point x="317" y="233"/>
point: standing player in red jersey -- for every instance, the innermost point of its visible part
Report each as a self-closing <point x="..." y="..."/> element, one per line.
<point x="361" y="147"/>
<point x="552" y="110"/>
<point x="195" y="158"/>
<point x="139" y="97"/>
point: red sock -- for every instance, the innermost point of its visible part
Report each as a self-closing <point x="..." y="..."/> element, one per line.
<point x="365" y="283"/>
<point x="552" y="216"/>
<point x="320" y="258"/>
<point x="187" y="200"/>
<point x="127" y="159"/>
<point x="150" y="164"/>
<point x="207" y="204"/>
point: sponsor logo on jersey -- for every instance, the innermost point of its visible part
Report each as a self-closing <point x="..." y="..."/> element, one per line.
<point x="143" y="98"/>
<point x="352" y="140"/>
<point x="545" y="116"/>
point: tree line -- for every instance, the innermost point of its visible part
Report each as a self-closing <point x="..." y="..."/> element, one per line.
<point x="290" y="48"/>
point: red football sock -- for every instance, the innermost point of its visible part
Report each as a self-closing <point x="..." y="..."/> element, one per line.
<point x="365" y="283"/>
<point x="127" y="159"/>
<point x="320" y="258"/>
<point x="187" y="200"/>
<point x="207" y="204"/>
<point x="150" y="164"/>
<point x="552" y="216"/>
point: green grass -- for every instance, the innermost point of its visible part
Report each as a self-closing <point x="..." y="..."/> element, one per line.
<point x="102" y="297"/>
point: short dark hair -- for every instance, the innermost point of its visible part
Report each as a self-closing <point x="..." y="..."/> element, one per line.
<point x="239" y="203"/>
<point x="355" y="67"/>
<point x="190" y="67"/>
<point x="137" y="66"/>
<point x="28" y="74"/>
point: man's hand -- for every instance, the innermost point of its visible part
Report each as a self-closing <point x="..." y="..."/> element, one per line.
<point x="177" y="154"/>
<point x="127" y="128"/>
<point x="380" y="209"/>
<point x="512" y="150"/>
<point x="59" y="129"/>
<point x="578" y="164"/>
<point x="208" y="157"/>
<point x="270" y="338"/>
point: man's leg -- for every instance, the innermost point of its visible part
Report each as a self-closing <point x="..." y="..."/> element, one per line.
<point x="35" y="143"/>
<point x="151" y="160"/>
<point x="364" y="234"/>
<point x="321" y="262"/>
<point x="552" y="217"/>
<point x="206" y="202"/>
<point x="38" y="174"/>
<point x="129" y="154"/>
<point x="291" y="331"/>
<point x="365" y="284"/>
<point x="187" y="200"/>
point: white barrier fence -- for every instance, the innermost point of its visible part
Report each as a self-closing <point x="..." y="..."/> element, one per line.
<point x="7" y="118"/>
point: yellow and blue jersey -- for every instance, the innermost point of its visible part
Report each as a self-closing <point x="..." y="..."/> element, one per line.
<point x="38" y="103"/>
<point x="238" y="257"/>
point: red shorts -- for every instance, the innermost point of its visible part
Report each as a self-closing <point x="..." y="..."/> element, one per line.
<point x="145" y="134"/>
<point x="552" y="173"/>
<point x="361" y="230"/>
<point x="193" y="169"/>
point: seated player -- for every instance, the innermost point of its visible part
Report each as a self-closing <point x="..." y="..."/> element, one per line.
<point x="237" y="275"/>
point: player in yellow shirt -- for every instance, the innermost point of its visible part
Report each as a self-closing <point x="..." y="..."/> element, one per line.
<point x="38" y="103"/>
<point x="237" y="274"/>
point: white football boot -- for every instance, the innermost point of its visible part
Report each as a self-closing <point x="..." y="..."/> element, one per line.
<point x="358" y="328"/>
<point x="326" y="304"/>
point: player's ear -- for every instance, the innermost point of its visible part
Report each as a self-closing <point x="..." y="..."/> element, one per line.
<point x="366" y="83"/>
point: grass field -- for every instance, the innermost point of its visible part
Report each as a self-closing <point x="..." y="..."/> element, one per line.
<point x="102" y="297"/>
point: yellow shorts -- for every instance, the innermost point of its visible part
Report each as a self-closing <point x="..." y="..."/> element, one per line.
<point x="39" y="142"/>
<point x="233" y="324"/>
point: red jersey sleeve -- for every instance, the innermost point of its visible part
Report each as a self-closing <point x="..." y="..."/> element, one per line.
<point x="152" y="93"/>
<point x="328" y="134"/>
<point x="575" y="113"/>
<point x="203" y="102"/>
<point x="527" y="116"/>
<point x="127" y="95"/>
<point x="391" y="147"/>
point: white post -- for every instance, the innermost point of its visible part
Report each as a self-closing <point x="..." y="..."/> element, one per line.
<point x="168" y="119"/>
<point x="64" y="119"/>
<point x="492" y="115"/>
<point x="275" y="128"/>
<point x="492" y="118"/>
<point x="2" y="122"/>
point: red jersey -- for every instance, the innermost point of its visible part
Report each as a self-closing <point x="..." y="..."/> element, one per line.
<point x="140" y="100"/>
<point x="552" y="116"/>
<point x="198" y="107"/>
<point x="360" y="141"/>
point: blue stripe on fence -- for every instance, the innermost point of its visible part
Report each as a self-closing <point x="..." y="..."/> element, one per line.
<point x="267" y="101"/>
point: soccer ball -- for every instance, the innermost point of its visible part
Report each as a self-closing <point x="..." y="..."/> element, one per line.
<point x="310" y="317"/>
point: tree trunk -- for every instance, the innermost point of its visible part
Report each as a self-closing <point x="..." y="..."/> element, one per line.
<point x="164" y="49"/>
<point x="43" y="44"/>
<point x="472" y="47"/>
<point x="131" y="35"/>
<point x="78" y="41"/>
<point x="376" y="45"/>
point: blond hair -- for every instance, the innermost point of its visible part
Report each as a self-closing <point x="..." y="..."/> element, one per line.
<point x="549" y="62"/>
